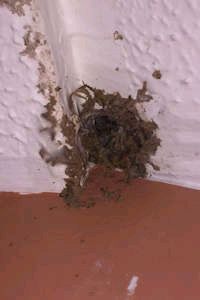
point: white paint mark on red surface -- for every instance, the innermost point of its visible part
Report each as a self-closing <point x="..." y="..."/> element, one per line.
<point x="99" y="264"/>
<point x="132" y="286"/>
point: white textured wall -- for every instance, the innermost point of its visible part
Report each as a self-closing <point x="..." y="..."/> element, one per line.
<point x="21" y="168"/>
<point x="162" y="35"/>
<point x="157" y="34"/>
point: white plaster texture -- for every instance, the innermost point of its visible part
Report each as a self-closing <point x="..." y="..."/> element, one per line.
<point x="21" y="167"/>
<point x="156" y="34"/>
<point x="161" y="35"/>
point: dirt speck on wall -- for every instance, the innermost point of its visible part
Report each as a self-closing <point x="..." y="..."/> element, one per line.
<point x="157" y="74"/>
<point x="16" y="6"/>
<point x="117" y="35"/>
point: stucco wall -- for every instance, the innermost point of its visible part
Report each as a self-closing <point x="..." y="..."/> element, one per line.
<point x="162" y="35"/>
<point x="21" y="104"/>
<point x="156" y="34"/>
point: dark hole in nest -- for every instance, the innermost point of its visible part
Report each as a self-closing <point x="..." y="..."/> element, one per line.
<point x="100" y="127"/>
<point x="115" y="135"/>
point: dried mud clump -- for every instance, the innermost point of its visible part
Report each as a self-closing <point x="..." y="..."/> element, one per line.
<point x="110" y="133"/>
<point x="117" y="35"/>
<point x="157" y="74"/>
<point x="16" y="6"/>
<point x="32" y="40"/>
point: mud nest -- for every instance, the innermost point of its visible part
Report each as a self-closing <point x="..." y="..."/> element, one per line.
<point x="112" y="133"/>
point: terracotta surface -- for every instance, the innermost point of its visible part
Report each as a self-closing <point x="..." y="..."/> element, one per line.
<point x="50" y="251"/>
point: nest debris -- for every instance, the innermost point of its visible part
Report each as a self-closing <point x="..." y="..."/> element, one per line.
<point x="110" y="133"/>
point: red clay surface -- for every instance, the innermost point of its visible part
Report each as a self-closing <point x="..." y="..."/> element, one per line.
<point x="49" y="251"/>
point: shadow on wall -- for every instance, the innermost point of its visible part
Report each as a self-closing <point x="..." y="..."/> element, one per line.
<point x="61" y="48"/>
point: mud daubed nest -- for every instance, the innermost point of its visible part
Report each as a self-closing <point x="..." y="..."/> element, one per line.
<point x="111" y="133"/>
